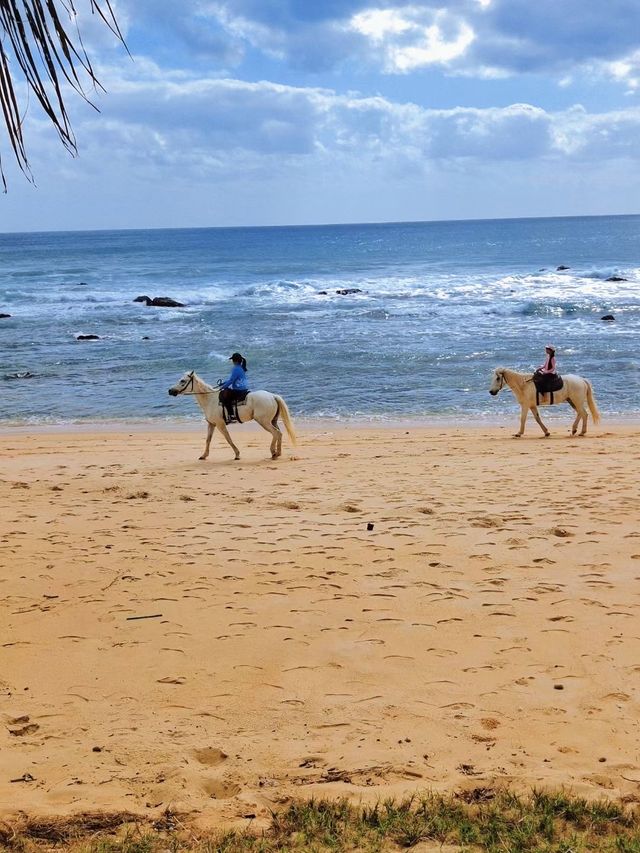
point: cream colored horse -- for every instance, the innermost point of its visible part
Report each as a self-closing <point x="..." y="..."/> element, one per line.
<point x="260" y="406"/>
<point x="576" y="391"/>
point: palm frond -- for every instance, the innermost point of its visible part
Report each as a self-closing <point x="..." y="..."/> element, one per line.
<point x="35" y="47"/>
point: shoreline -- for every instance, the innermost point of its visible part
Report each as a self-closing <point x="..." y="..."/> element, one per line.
<point x="303" y="425"/>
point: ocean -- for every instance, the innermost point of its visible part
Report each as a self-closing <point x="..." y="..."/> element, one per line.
<point x="438" y="306"/>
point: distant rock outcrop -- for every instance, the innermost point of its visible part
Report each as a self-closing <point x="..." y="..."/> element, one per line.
<point x="609" y="318"/>
<point x="4" y="316"/>
<point x="26" y="374"/>
<point x="562" y="267"/>
<point x="347" y="291"/>
<point x="160" y="301"/>
<point x="616" y="278"/>
<point x="87" y="337"/>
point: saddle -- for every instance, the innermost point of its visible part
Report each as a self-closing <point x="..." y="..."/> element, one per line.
<point x="547" y="383"/>
<point x="230" y="407"/>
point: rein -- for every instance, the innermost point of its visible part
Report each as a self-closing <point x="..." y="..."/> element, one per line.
<point x="193" y="393"/>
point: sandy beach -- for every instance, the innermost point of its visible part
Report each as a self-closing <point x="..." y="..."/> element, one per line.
<point x="219" y="637"/>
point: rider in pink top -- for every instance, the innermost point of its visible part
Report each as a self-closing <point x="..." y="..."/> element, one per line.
<point x="549" y="365"/>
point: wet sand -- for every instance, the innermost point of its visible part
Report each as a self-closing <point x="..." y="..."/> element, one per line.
<point x="219" y="637"/>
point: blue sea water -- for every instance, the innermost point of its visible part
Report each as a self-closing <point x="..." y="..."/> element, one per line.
<point x="441" y="305"/>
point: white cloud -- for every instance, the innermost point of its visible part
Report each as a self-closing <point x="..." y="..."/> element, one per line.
<point x="472" y="37"/>
<point x="199" y="151"/>
<point x="410" y="37"/>
<point x="625" y="70"/>
<point x="225" y="127"/>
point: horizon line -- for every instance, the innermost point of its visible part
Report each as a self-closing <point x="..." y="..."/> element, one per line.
<point x="320" y="224"/>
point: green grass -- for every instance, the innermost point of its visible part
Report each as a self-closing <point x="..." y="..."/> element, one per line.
<point x="478" y="820"/>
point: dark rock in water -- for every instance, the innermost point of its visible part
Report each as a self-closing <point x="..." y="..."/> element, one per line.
<point x="542" y="269"/>
<point x="82" y="284"/>
<point x="4" y="316"/>
<point x="562" y="267"/>
<point x="322" y="293"/>
<point x="25" y="375"/>
<point x="616" y="278"/>
<point x="608" y="317"/>
<point x="166" y="302"/>
<point x="160" y="301"/>
<point x="87" y="337"/>
<point x="347" y="291"/>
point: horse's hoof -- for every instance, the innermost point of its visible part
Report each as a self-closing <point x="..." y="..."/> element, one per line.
<point x="547" y="435"/>
<point x="202" y="458"/>
<point x="517" y="435"/>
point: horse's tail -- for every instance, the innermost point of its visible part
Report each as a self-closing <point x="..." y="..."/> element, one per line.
<point x="286" y="419"/>
<point x="591" y="400"/>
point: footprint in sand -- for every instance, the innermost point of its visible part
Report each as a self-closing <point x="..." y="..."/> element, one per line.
<point x="210" y="756"/>
<point x="219" y="789"/>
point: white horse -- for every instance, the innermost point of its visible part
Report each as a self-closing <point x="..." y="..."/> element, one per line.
<point x="576" y="391"/>
<point x="260" y="406"/>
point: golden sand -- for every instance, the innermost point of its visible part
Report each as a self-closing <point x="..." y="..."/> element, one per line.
<point x="222" y="636"/>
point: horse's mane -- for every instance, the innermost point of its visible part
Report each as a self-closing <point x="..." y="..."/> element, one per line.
<point x="525" y="375"/>
<point x="201" y="381"/>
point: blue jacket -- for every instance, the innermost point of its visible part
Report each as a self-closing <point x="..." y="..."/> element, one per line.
<point x="237" y="379"/>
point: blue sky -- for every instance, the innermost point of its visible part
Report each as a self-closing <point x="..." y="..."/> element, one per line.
<point x="294" y="111"/>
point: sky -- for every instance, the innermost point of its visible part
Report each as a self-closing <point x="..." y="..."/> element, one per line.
<point x="273" y="112"/>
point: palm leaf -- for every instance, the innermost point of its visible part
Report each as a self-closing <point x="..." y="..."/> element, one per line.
<point x="35" y="46"/>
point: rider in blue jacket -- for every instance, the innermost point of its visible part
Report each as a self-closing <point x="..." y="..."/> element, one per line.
<point x="237" y="382"/>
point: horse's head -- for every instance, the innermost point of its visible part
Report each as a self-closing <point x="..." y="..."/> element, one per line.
<point x="185" y="383"/>
<point x="497" y="381"/>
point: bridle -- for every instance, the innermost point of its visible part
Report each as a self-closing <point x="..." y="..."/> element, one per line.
<point x="192" y="393"/>
<point x="501" y="383"/>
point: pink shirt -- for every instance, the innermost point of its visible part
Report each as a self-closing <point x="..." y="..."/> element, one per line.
<point x="549" y="366"/>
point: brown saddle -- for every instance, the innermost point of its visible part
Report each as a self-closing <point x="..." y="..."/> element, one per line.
<point x="547" y="383"/>
<point x="230" y="399"/>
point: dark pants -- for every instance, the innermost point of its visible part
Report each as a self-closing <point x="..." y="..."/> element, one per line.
<point x="229" y="396"/>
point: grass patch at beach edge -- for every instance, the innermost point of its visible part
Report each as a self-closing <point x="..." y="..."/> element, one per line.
<point x="482" y="819"/>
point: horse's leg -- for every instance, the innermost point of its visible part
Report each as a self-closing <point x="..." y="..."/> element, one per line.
<point x="536" y="415"/>
<point x="582" y="413"/>
<point x="574" y="425"/>
<point x="274" y="424"/>
<point x="523" y="417"/>
<point x="225" y="432"/>
<point x="210" y="429"/>
<point x="276" y="440"/>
